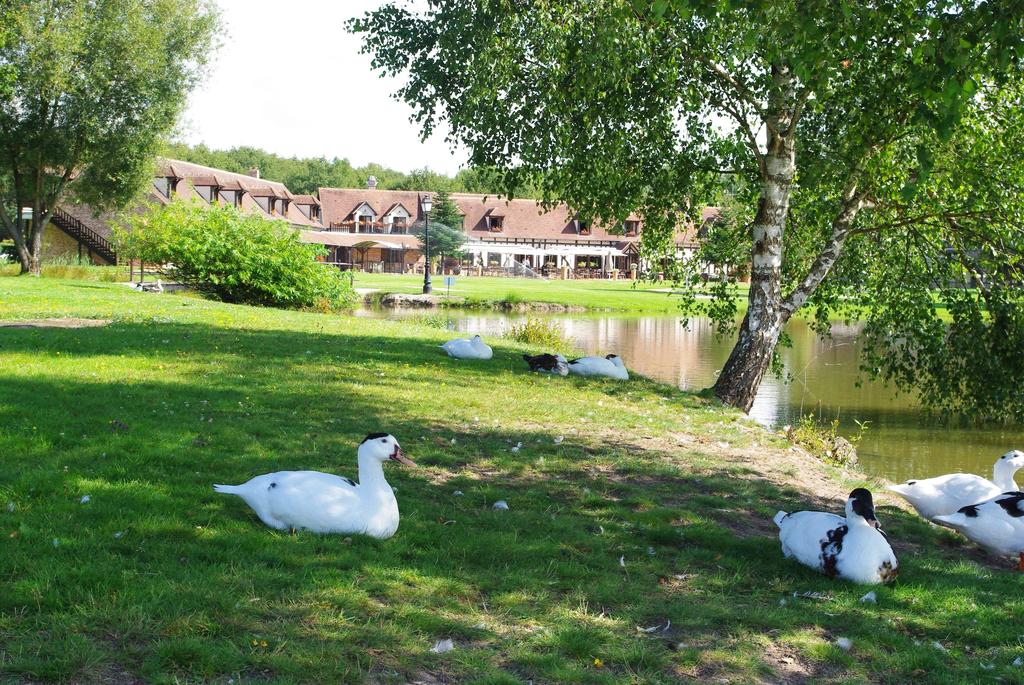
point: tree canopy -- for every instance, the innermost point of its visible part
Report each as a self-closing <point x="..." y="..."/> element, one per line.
<point x="92" y="88"/>
<point x="870" y="149"/>
<point x="304" y="175"/>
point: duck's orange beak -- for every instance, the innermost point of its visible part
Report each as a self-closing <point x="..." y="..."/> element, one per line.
<point x="399" y="456"/>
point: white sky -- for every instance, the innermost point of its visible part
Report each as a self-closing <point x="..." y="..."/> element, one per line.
<point x="290" y="79"/>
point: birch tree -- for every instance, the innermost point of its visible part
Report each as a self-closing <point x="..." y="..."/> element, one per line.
<point x="92" y="89"/>
<point x="829" y="115"/>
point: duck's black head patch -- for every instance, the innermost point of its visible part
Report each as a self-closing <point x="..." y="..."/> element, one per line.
<point x="611" y="356"/>
<point x="911" y="482"/>
<point x="863" y="505"/>
<point x="1013" y="504"/>
<point x="374" y="436"/>
<point x="970" y="511"/>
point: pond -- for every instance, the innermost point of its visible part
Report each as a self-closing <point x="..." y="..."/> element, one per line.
<point x="899" y="442"/>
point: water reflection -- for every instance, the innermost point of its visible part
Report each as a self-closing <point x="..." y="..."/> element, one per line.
<point x="899" y="443"/>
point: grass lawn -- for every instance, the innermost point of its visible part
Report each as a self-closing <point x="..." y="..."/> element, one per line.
<point x="630" y="505"/>
<point x="622" y="295"/>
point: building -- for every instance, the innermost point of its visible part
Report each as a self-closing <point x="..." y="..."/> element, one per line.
<point x="84" y="233"/>
<point x="371" y="229"/>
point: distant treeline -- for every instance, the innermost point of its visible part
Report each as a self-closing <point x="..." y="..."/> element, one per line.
<point x="305" y="175"/>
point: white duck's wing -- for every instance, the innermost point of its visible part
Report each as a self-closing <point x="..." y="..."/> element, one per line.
<point x="945" y="494"/>
<point x="314" y="501"/>
<point x="806" y="535"/>
<point x="997" y="524"/>
<point x="591" y="366"/>
<point x="460" y="348"/>
<point x="483" y="350"/>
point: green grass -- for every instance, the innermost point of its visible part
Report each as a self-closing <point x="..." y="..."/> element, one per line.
<point x="159" y="579"/>
<point x="621" y="295"/>
<point x="79" y="272"/>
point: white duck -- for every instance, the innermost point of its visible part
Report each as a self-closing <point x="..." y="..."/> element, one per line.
<point x="852" y="548"/>
<point x="468" y="348"/>
<point x="997" y="524"/>
<point x="946" y="494"/>
<point x="325" y="503"/>
<point x="610" y="366"/>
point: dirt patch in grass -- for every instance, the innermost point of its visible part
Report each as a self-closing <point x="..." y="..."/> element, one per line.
<point x="55" y="323"/>
<point x="790" y="667"/>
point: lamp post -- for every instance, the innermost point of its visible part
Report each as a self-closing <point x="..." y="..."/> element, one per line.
<point x="426" y="203"/>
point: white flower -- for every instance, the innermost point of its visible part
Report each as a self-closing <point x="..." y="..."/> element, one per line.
<point x="844" y="643"/>
<point x="501" y="505"/>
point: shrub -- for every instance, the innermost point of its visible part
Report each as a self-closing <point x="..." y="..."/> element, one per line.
<point x="824" y="441"/>
<point x="435" y="320"/>
<point x="234" y="257"/>
<point x="539" y="332"/>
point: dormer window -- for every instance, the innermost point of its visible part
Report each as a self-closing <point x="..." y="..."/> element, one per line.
<point x="584" y="227"/>
<point x="265" y="203"/>
<point x="163" y="185"/>
<point x="495" y="223"/>
<point x="632" y="227"/>
<point x="399" y="224"/>
<point x="208" y="193"/>
<point x="231" y="197"/>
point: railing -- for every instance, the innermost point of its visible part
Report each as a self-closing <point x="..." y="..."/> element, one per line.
<point x="84" y="235"/>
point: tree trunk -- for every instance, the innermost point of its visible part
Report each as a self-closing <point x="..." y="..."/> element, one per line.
<point x="739" y="380"/>
<point x="36" y="249"/>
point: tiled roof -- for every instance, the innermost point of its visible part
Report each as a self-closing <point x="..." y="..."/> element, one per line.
<point x="521" y="218"/>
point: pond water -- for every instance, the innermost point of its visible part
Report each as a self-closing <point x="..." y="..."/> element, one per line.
<point x="899" y="442"/>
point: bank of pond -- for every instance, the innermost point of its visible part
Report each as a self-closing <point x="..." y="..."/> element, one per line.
<point x="896" y="440"/>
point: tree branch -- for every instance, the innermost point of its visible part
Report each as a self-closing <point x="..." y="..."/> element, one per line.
<point x="853" y="201"/>
<point x="744" y="93"/>
<point x="744" y="125"/>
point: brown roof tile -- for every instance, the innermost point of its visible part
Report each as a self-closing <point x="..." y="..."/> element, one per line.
<point x="521" y="218"/>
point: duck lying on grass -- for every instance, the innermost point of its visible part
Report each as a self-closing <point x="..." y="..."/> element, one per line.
<point x="609" y="366"/>
<point x="547" y="363"/>
<point x="468" y="348"/>
<point x="853" y="548"/>
<point x="325" y="503"/>
<point x="997" y="524"/>
<point x="946" y="494"/>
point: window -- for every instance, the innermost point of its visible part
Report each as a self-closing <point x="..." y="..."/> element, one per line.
<point x="365" y="224"/>
<point x="264" y="203"/>
<point x="206" y="192"/>
<point x="632" y="226"/>
<point x="398" y="224"/>
<point x="496" y="223"/>
<point x="305" y="209"/>
<point x="163" y="186"/>
<point x="584" y="227"/>
<point x="231" y="197"/>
